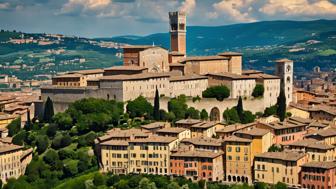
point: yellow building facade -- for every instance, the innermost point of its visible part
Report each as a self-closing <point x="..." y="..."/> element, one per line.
<point x="274" y="167"/>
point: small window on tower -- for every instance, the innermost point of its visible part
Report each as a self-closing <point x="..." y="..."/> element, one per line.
<point x="173" y="26"/>
<point x="181" y="26"/>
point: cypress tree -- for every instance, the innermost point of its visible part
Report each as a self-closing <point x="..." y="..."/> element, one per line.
<point x="156" y="110"/>
<point x="240" y="109"/>
<point x="28" y="122"/>
<point x="281" y="105"/>
<point x="48" y="111"/>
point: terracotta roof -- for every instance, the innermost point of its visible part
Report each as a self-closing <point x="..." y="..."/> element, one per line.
<point x="204" y="124"/>
<point x="285" y="156"/>
<point x="196" y="153"/>
<point x="203" y="58"/>
<point x="186" y="78"/>
<point x="171" y="130"/>
<point x="87" y="72"/>
<point x="188" y="121"/>
<point x="323" y="165"/>
<point x="247" y="72"/>
<point x="119" y="133"/>
<point x="4" y="116"/>
<point x="118" y="68"/>
<point x="4" y="148"/>
<point x="154" y="125"/>
<point x="68" y="76"/>
<point x="234" y="138"/>
<point x="154" y="139"/>
<point x="133" y="76"/>
<point x="203" y="141"/>
<point x="311" y="143"/>
<point x="325" y="132"/>
<point x="115" y="143"/>
<point x="254" y="132"/>
<point x="234" y="127"/>
<point x="264" y="76"/>
<point x="231" y="76"/>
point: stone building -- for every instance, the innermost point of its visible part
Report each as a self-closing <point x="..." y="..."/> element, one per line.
<point x="274" y="167"/>
<point x="318" y="175"/>
<point x="13" y="161"/>
<point x="239" y="85"/>
<point x="284" y="69"/>
<point x="178" y="29"/>
<point x="152" y="57"/>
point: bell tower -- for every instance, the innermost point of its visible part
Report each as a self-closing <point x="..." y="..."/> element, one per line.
<point x="177" y="25"/>
<point x="284" y="69"/>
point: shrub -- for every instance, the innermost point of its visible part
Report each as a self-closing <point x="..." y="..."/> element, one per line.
<point x="42" y="143"/>
<point x="140" y="107"/>
<point x="192" y="113"/>
<point x="258" y="90"/>
<point x="63" y="121"/>
<point x="51" y="157"/>
<point x="178" y="106"/>
<point x="52" y="129"/>
<point x="270" y="111"/>
<point x="66" y="154"/>
<point x="231" y="116"/>
<point x="218" y="92"/>
<point x="248" y="117"/>
<point x="204" y="115"/>
<point x="19" y="138"/>
<point x="14" y="127"/>
<point x="98" y="179"/>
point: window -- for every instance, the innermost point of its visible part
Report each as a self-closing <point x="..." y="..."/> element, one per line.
<point x="237" y="149"/>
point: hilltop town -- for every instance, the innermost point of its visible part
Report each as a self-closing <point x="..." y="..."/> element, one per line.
<point x="164" y="119"/>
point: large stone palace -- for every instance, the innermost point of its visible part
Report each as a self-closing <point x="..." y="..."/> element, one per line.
<point x="148" y="67"/>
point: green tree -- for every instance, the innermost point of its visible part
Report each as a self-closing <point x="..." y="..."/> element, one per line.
<point x="48" y="110"/>
<point x="63" y="121"/>
<point x="14" y="127"/>
<point x="280" y="185"/>
<point x="275" y="148"/>
<point x="51" y="157"/>
<point x="42" y="143"/>
<point x="146" y="184"/>
<point x="192" y="113"/>
<point x="51" y="130"/>
<point x="260" y="185"/>
<point x="28" y="124"/>
<point x="70" y="168"/>
<point x="98" y="179"/>
<point x="173" y="185"/>
<point x="218" y="92"/>
<point x="19" y="138"/>
<point x="204" y="115"/>
<point x="240" y="109"/>
<point x="258" y="90"/>
<point x="270" y="110"/>
<point x="281" y="104"/>
<point x="248" y="117"/>
<point x="231" y="116"/>
<point x="20" y="183"/>
<point x="156" y="110"/>
<point x="178" y="106"/>
<point x="140" y="107"/>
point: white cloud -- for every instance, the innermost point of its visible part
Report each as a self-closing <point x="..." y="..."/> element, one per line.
<point x="84" y="5"/>
<point x="188" y="6"/>
<point x="299" y="7"/>
<point x="4" y="6"/>
<point x="235" y="10"/>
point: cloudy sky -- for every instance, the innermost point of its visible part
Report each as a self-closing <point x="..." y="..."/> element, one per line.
<point x="106" y="18"/>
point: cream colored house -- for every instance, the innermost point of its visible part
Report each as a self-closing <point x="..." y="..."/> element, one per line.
<point x="274" y="167"/>
<point x="179" y="133"/>
<point x="13" y="161"/>
<point x="151" y="155"/>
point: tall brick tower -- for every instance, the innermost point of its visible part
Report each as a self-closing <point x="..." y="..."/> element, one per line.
<point x="284" y="69"/>
<point x="178" y="22"/>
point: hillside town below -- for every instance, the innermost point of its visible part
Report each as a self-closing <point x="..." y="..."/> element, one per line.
<point x="163" y="113"/>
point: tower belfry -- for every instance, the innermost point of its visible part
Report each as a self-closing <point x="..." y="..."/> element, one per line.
<point x="177" y="25"/>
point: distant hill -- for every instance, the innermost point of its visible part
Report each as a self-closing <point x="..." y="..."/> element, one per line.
<point x="259" y="41"/>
